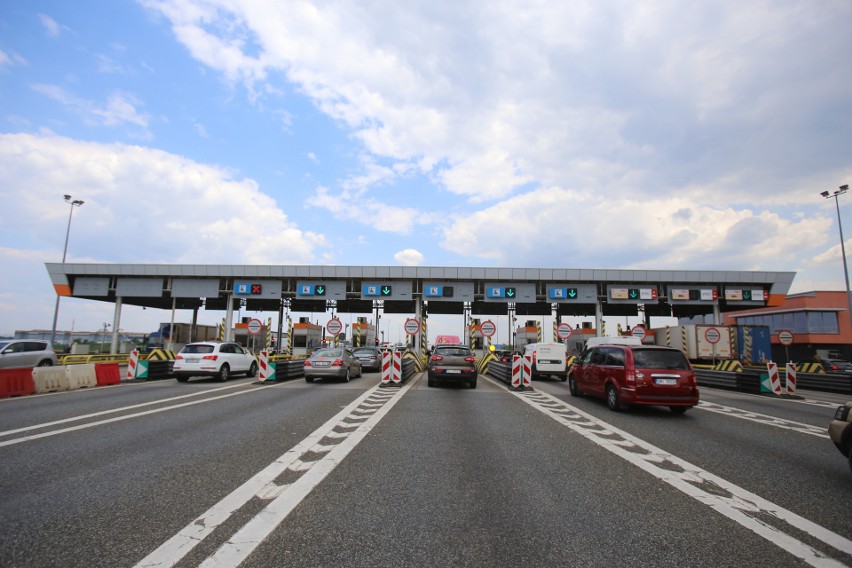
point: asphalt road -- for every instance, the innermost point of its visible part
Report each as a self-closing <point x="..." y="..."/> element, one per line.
<point x="336" y="474"/>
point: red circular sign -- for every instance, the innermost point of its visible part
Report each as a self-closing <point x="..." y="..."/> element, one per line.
<point x="564" y="330"/>
<point x="785" y="337"/>
<point x="488" y="328"/>
<point x="412" y="326"/>
<point x="638" y="331"/>
<point x="334" y="326"/>
<point x="713" y="335"/>
<point x="254" y="326"/>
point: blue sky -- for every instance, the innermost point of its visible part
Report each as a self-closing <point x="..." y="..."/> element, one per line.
<point x="657" y="135"/>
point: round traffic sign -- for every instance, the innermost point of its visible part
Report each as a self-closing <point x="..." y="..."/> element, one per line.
<point x="334" y="326"/>
<point x="713" y="335"/>
<point x="638" y="332"/>
<point x="488" y="328"/>
<point x="785" y="337"/>
<point x="254" y="326"/>
<point x="412" y="326"/>
<point x="564" y="330"/>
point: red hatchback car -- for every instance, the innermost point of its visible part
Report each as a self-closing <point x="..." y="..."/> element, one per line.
<point x="625" y="375"/>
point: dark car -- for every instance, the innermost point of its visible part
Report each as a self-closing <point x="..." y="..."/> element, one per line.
<point x="840" y="431"/>
<point x="836" y="366"/>
<point x="504" y="356"/>
<point x="370" y="358"/>
<point x="451" y="363"/>
<point x="625" y="375"/>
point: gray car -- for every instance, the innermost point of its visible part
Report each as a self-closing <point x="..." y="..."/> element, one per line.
<point x="452" y="363"/>
<point x="332" y="363"/>
<point x="370" y="358"/>
<point x="23" y="353"/>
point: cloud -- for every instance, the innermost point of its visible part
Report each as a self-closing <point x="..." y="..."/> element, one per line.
<point x="119" y="109"/>
<point x="409" y="257"/>
<point x="51" y="27"/>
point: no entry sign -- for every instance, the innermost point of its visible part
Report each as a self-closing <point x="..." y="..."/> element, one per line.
<point x="254" y="326"/>
<point x="412" y="326"/>
<point x="488" y="328"/>
<point x="564" y="331"/>
<point x="712" y="335"/>
<point x="334" y="326"/>
<point x="638" y="332"/>
<point x="785" y="337"/>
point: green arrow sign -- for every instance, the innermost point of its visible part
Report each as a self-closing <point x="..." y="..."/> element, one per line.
<point x="572" y="293"/>
<point x="320" y="290"/>
<point x="386" y="290"/>
<point x="510" y="292"/>
<point x="634" y="293"/>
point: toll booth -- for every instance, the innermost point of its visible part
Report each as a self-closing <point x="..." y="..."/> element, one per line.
<point x="528" y="333"/>
<point x="363" y="334"/>
<point x="307" y="337"/>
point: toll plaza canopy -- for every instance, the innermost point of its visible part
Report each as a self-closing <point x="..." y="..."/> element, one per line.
<point x="423" y="290"/>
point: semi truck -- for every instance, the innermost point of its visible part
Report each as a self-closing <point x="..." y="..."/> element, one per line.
<point x="699" y="342"/>
<point x="179" y="334"/>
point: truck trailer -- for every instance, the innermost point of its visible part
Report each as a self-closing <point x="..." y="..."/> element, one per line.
<point x="175" y="336"/>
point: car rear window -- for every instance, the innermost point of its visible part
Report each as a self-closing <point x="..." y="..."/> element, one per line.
<point x="452" y="351"/>
<point x="328" y="353"/>
<point x="660" y="359"/>
<point x="198" y="349"/>
<point x="365" y="350"/>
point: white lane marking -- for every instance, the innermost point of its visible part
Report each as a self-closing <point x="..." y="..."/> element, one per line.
<point x="126" y="417"/>
<point x="820" y="432"/>
<point x="263" y="485"/>
<point x="743" y="507"/>
<point x="113" y="411"/>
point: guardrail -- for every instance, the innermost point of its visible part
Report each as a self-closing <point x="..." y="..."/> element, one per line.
<point x="500" y="371"/>
<point x="749" y="379"/>
<point x="285" y="369"/>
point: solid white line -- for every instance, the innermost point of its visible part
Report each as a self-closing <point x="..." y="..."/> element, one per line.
<point x="127" y="417"/>
<point x="261" y="485"/>
<point x="692" y="477"/>
<point x="105" y="412"/>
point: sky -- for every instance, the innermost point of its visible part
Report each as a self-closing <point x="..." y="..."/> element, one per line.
<point x="669" y="135"/>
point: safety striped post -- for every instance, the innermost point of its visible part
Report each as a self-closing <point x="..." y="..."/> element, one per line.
<point x="397" y="368"/>
<point x="517" y="372"/>
<point x="264" y="365"/>
<point x="131" y="364"/>
<point x="774" y="377"/>
<point x="527" y="376"/>
<point x="791" y="378"/>
<point x="386" y="367"/>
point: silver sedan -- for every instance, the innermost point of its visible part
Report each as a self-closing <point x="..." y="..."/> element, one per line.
<point x="332" y="362"/>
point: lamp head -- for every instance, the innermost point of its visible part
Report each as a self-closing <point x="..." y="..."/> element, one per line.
<point x="67" y="197"/>
<point x="824" y="194"/>
<point x="844" y="187"/>
<point x="77" y="202"/>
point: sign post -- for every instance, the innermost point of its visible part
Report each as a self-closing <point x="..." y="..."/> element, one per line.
<point x="334" y="327"/>
<point x="713" y="336"/>
<point x="638" y="332"/>
<point x="564" y="331"/>
<point x="254" y="326"/>
<point x="412" y="326"/>
<point x="786" y="338"/>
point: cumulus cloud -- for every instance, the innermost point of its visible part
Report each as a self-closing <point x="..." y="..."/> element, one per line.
<point x="409" y="257"/>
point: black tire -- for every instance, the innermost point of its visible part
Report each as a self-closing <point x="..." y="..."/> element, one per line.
<point x="613" y="401"/>
<point x="679" y="409"/>
<point x="564" y="377"/>
<point x="224" y="373"/>
<point x="309" y="379"/>
<point x="850" y="461"/>
<point x="45" y="363"/>
<point x="572" y="387"/>
<point x="252" y="372"/>
<point x="472" y="384"/>
<point x="182" y="379"/>
<point x="347" y="377"/>
<point x="432" y="382"/>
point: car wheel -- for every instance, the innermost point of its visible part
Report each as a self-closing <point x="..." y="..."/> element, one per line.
<point x="347" y="377"/>
<point x="252" y="372"/>
<point x="472" y="384"/>
<point x="572" y="387"/>
<point x="431" y="382"/>
<point x="182" y="379"/>
<point x="46" y="363"/>
<point x="612" y="399"/>
<point x="224" y="372"/>
<point x="678" y="409"/>
<point x="564" y="377"/>
<point x="850" y="461"/>
<point x="309" y="379"/>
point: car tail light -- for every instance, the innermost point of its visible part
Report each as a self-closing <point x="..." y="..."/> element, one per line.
<point x="631" y="378"/>
<point x="178" y="357"/>
<point x="307" y="362"/>
<point x="437" y="358"/>
<point x="337" y="363"/>
<point x="470" y="359"/>
<point x="210" y="357"/>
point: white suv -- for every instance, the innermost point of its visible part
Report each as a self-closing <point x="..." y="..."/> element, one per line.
<point x="213" y="359"/>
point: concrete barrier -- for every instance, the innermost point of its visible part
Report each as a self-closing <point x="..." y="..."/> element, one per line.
<point x="81" y="376"/>
<point x="50" y="379"/>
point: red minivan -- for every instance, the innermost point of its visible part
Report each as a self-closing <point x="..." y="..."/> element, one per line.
<point x="625" y="375"/>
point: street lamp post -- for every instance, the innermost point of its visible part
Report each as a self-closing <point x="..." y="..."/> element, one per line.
<point x="843" y="189"/>
<point x="74" y="203"/>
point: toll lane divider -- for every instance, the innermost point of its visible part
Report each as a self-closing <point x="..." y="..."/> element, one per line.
<point x="749" y="380"/>
<point x="395" y="369"/>
<point x="16" y="382"/>
<point x="40" y="380"/>
<point x="517" y="373"/>
<point x="283" y="370"/>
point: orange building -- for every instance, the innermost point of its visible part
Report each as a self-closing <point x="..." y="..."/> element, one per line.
<point x="819" y="322"/>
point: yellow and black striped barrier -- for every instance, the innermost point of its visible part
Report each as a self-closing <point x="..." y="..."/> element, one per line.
<point x="731" y="365"/>
<point x="160" y="355"/>
<point x="811" y="367"/>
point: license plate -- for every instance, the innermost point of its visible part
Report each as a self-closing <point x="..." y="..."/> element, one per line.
<point x="666" y="381"/>
<point x="456" y="371"/>
<point x="321" y="364"/>
<point x="547" y="362"/>
<point x="192" y="360"/>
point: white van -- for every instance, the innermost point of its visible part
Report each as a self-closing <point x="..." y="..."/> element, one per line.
<point x="547" y="359"/>
<point x="619" y="340"/>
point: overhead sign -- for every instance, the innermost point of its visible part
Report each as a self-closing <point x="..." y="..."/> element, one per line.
<point x="257" y="289"/>
<point x="412" y="326"/>
<point x="631" y="294"/>
<point x="572" y="293"/>
<point x="712" y="335"/>
<point x="785" y="337"/>
<point x="755" y="295"/>
<point x="487" y="328"/>
<point x="448" y="291"/>
<point x="319" y="290"/>
<point x="692" y="294"/>
<point x="510" y="293"/>
<point x="254" y="326"/>
<point x="564" y="331"/>
<point x="638" y="332"/>
<point x="334" y="326"/>
<point x="390" y="290"/>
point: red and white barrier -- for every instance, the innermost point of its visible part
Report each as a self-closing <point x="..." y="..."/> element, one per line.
<point x="131" y="364"/>
<point x="264" y="365"/>
<point x="396" y="366"/>
<point x="791" y="378"/>
<point x="386" y="367"/>
<point x="527" y="378"/>
<point x="774" y="377"/>
<point x="517" y="371"/>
